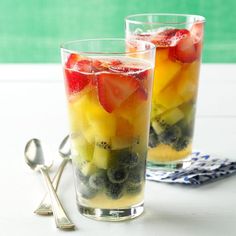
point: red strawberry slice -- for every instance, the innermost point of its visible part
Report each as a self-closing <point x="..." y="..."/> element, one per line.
<point x="141" y="93"/>
<point x="185" y="49"/>
<point x="103" y="65"/>
<point x="142" y="75"/>
<point x="123" y="68"/>
<point x="115" y="62"/>
<point x="197" y="31"/>
<point x="84" y="65"/>
<point x="78" y="63"/>
<point x="138" y="73"/>
<point x="164" y="38"/>
<point x="99" y="66"/>
<point x="114" y="89"/>
<point x="180" y="34"/>
<point x="76" y="81"/>
<point x="72" y="59"/>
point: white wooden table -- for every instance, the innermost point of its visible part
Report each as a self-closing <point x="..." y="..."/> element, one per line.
<point x="32" y="104"/>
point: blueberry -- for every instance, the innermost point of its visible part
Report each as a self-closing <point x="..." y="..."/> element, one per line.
<point x="114" y="191"/>
<point x="117" y="175"/>
<point x="186" y="127"/>
<point x="127" y="158"/>
<point x="98" y="180"/>
<point x="181" y="143"/>
<point x="132" y="188"/>
<point x="135" y="177"/>
<point x="170" y="135"/>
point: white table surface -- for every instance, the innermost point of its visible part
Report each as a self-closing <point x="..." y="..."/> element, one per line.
<point x="32" y="104"/>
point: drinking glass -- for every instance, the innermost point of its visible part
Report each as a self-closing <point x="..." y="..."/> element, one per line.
<point x="109" y="94"/>
<point x="178" y="39"/>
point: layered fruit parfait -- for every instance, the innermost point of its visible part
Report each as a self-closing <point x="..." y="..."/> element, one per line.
<point x="109" y="110"/>
<point x="178" y="58"/>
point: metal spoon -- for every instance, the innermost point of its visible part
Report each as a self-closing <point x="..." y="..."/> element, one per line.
<point x="45" y="207"/>
<point x="35" y="159"/>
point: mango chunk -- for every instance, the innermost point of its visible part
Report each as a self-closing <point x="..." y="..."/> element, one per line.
<point x="164" y="73"/>
<point x="188" y="81"/>
<point x="169" y="97"/>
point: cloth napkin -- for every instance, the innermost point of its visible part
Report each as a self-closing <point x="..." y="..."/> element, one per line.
<point x="203" y="168"/>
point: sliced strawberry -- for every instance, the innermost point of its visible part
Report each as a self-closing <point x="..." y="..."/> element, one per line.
<point x="185" y="49"/>
<point x="115" y="62"/>
<point x="141" y="93"/>
<point x="164" y="38"/>
<point x="142" y="75"/>
<point x="75" y="73"/>
<point x="123" y="68"/>
<point x="180" y="34"/>
<point x="76" y="81"/>
<point x="97" y="66"/>
<point x="197" y="31"/>
<point x="72" y="59"/>
<point x="114" y="89"/>
<point x="84" y="65"/>
<point x="133" y="71"/>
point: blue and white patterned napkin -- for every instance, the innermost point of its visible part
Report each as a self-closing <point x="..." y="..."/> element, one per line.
<point x="203" y="168"/>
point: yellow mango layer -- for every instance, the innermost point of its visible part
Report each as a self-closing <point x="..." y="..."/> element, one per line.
<point x="164" y="153"/>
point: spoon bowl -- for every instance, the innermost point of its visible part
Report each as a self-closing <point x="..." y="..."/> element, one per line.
<point x="64" y="148"/>
<point x="34" y="156"/>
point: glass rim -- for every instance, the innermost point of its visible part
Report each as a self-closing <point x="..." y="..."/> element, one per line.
<point x="128" y="18"/>
<point x="65" y="49"/>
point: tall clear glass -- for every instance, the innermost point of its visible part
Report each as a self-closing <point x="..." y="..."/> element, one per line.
<point x="109" y="94"/>
<point x="178" y="40"/>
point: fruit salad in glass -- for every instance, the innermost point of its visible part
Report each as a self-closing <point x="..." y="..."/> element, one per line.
<point x="109" y="99"/>
<point x="178" y="40"/>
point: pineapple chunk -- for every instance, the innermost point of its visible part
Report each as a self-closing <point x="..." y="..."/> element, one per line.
<point x="101" y="122"/>
<point x="80" y="104"/>
<point x="172" y="116"/>
<point x="169" y="97"/>
<point x="82" y="148"/>
<point x="77" y="116"/>
<point x="89" y="134"/>
<point x="189" y="111"/>
<point x="164" y="73"/>
<point x="188" y="81"/>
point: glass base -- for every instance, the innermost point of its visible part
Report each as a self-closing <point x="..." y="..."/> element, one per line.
<point x="111" y="214"/>
<point x="169" y="166"/>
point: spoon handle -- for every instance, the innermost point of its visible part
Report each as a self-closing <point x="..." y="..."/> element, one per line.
<point x="45" y="207"/>
<point x="61" y="219"/>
